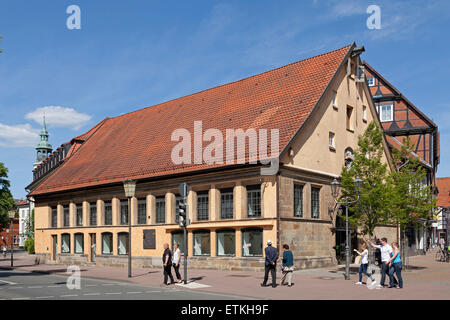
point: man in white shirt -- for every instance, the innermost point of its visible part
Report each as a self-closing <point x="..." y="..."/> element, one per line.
<point x="386" y="252"/>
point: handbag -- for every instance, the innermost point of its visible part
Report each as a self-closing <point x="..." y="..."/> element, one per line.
<point x="358" y="260"/>
<point x="288" y="269"/>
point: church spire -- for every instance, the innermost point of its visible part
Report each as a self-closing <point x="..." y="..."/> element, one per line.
<point x="43" y="148"/>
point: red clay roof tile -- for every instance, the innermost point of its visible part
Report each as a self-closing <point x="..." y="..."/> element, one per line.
<point x="138" y="144"/>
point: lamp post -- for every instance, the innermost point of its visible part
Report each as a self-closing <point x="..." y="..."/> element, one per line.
<point x="335" y="188"/>
<point x="11" y="216"/>
<point x="130" y="189"/>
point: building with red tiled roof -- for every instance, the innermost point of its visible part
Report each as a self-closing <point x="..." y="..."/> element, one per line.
<point x="443" y="214"/>
<point x="258" y="154"/>
<point x="401" y="119"/>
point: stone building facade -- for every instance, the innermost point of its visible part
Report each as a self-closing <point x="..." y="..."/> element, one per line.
<point x="319" y="108"/>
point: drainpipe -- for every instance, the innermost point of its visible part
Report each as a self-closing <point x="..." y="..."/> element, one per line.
<point x="277" y="182"/>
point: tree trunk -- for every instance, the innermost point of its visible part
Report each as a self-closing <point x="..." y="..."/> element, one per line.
<point x="404" y="250"/>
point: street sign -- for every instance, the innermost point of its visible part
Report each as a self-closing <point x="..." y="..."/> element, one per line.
<point x="183" y="188"/>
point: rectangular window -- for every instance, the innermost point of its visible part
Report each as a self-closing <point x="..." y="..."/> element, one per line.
<point x="160" y="210"/>
<point x="202" y="206"/>
<point x="226" y="243"/>
<point x="122" y="245"/>
<point x="226" y="204"/>
<point x="202" y="245"/>
<point x="79" y="243"/>
<point x="178" y="237"/>
<point x="331" y="140"/>
<point x="93" y="214"/>
<point x="108" y="213"/>
<point x="371" y="81"/>
<point x="315" y="202"/>
<point x="65" y="243"/>
<point x="298" y="200"/>
<point x="79" y="216"/>
<point x="349" y="121"/>
<point x="335" y="106"/>
<point x="386" y="112"/>
<point x="142" y="211"/>
<point x="66" y="216"/>
<point x="123" y="211"/>
<point x="364" y="113"/>
<point x="54" y="217"/>
<point x="107" y="245"/>
<point x="254" y="201"/>
<point x="252" y="243"/>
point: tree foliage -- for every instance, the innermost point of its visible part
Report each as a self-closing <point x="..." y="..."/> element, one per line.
<point x="372" y="207"/>
<point x="6" y="199"/>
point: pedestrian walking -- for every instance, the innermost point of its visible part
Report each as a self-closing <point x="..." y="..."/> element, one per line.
<point x="395" y="264"/>
<point x="364" y="264"/>
<point x="167" y="264"/>
<point x="386" y="251"/>
<point x="270" y="264"/>
<point x="176" y="261"/>
<point x="288" y="265"/>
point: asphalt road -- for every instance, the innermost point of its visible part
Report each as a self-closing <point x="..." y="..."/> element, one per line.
<point x="23" y="285"/>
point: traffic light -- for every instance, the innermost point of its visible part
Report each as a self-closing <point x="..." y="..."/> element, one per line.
<point x="182" y="212"/>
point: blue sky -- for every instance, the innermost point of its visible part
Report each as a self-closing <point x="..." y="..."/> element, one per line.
<point x="132" y="54"/>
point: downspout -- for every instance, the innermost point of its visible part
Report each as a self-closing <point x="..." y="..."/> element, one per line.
<point x="277" y="180"/>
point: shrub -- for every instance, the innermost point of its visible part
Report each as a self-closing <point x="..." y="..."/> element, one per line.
<point x="29" y="245"/>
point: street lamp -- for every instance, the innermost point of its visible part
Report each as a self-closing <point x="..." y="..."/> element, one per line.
<point x="335" y="188"/>
<point x="130" y="190"/>
<point x="11" y="216"/>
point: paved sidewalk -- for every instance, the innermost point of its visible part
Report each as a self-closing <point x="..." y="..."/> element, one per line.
<point x="427" y="279"/>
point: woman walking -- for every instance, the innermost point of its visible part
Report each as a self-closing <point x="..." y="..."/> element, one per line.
<point x="288" y="265"/>
<point x="364" y="263"/>
<point x="176" y="261"/>
<point x="395" y="265"/>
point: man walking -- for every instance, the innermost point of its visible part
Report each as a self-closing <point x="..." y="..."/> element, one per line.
<point x="270" y="264"/>
<point x="386" y="252"/>
<point x="167" y="264"/>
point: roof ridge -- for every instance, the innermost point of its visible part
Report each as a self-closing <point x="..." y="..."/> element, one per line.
<point x="233" y="82"/>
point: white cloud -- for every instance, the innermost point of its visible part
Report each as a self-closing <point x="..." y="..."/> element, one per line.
<point x="59" y="117"/>
<point x="22" y="135"/>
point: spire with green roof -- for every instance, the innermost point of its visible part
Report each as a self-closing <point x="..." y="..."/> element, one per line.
<point x="44" y="148"/>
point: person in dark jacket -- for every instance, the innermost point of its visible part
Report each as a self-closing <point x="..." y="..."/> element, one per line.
<point x="288" y="265"/>
<point x="270" y="264"/>
<point x="167" y="264"/>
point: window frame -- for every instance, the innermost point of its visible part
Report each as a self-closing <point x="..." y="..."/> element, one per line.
<point x="243" y="231"/>
<point x="111" y="243"/>
<point x="118" y="241"/>
<point x="196" y="232"/>
<point x="66" y="215"/>
<point x="78" y="220"/>
<point x="141" y="215"/>
<point x="123" y="203"/>
<point x="54" y="217"/>
<point x="297" y="185"/>
<point x="254" y="189"/>
<point x="313" y="189"/>
<point x="391" y="113"/>
<point x="64" y="235"/>
<point x="201" y="216"/>
<point x="159" y="200"/>
<point x="217" y="242"/>
<point x="331" y="138"/>
<point x="108" y="217"/>
<point x="78" y="234"/>
<point x="226" y="193"/>
<point x="371" y="81"/>
<point x="93" y="214"/>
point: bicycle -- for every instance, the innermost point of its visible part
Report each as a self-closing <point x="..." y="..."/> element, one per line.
<point x="442" y="255"/>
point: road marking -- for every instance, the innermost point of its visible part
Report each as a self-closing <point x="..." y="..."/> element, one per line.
<point x="151" y="291"/>
<point x="24" y="298"/>
<point x="134" y="292"/>
<point x="45" y="297"/>
<point x="90" y="285"/>
<point x="69" y="295"/>
<point x="92" y="294"/>
<point x="108" y="284"/>
<point x="8" y="282"/>
<point x="53" y="286"/>
<point x="113" y="292"/>
<point x="34" y="287"/>
<point x="16" y="288"/>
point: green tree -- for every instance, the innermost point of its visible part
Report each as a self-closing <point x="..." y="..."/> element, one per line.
<point x="412" y="200"/>
<point x="373" y="205"/>
<point x="6" y="199"/>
